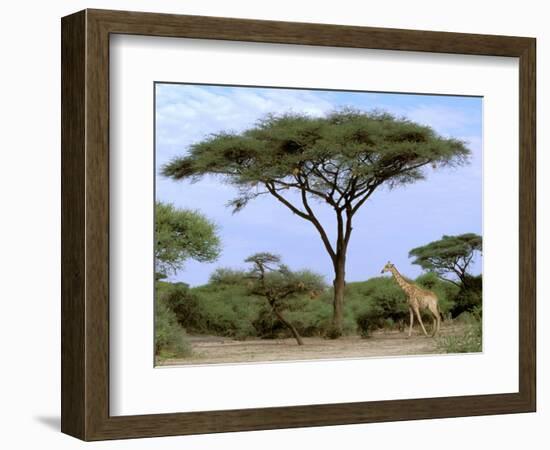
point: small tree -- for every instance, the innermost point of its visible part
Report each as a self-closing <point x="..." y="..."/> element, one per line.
<point x="451" y="255"/>
<point x="182" y="234"/>
<point x="278" y="285"/>
<point x="338" y="160"/>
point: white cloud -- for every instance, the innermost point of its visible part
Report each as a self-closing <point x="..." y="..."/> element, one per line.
<point x="187" y="113"/>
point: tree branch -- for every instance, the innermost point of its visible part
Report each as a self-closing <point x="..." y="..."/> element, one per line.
<point x="369" y="192"/>
<point x="448" y="280"/>
<point x="319" y="227"/>
<point x="285" y="202"/>
<point x="310" y="216"/>
<point x="301" y="187"/>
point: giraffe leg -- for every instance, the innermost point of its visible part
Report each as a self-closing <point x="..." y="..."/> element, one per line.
<point x="419" y="317"/>
<point x="437" y="319"/>
<point x="436" y="326"/>
<point x="411" y="321"/>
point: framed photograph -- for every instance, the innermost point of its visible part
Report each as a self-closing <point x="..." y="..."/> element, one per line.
<point x="272" y="225"/>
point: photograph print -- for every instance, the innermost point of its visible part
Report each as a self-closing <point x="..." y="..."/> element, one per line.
<point x="305" y="224"/>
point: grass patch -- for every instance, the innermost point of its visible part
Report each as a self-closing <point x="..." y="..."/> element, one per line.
<point x="470" y="341"/>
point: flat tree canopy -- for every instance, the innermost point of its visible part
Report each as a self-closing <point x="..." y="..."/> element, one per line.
<point x="339" y="159"/>
<point x="182" y="234"/>
<point x="450" y="255"/>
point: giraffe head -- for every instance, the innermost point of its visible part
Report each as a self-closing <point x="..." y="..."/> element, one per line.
<point x="387" y="268"/>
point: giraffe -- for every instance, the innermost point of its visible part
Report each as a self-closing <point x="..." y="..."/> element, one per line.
<point x="417" y="299"/>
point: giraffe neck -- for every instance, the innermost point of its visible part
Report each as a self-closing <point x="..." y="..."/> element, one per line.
<point x="400" y="280"/>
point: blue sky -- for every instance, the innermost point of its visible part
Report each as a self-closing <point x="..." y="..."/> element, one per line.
<point x="388" y="225"/>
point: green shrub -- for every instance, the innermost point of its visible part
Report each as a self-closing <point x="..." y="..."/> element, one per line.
<point x="217" y="308"/>
<point x="311" y="317"/>
<point x="170" y="340"/>
<point x="267" y="326"/>
<point x="225" y="307"/>
<point x="364" y="324"/>
<point x="471" y="339"/>
<point x="469" y="297"/>
<point x="185" y="305"/>
<point x="225" y="276"/>
<point x="376" y="303"/>
<point x="333" y="332"/>
<point x="226" y="310"/>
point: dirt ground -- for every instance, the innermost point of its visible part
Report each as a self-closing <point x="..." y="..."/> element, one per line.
<point x="216" y="350"/>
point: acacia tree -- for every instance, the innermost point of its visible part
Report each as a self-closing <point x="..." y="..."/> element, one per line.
<point x="275" y="282"/>
<point x="450" y="255"/>
<point x="182" y="234"/>
<point x="339" y="160"/>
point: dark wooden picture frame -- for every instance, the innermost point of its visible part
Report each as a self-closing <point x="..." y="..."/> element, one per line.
<point x="85" y="224"/>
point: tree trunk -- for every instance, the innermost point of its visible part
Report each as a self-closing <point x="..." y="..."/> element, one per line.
<point x="338" y="301"/>
<point x="291" y="327"/>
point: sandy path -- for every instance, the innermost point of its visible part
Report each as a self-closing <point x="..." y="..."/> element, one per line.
<point x="216" y="350"/>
